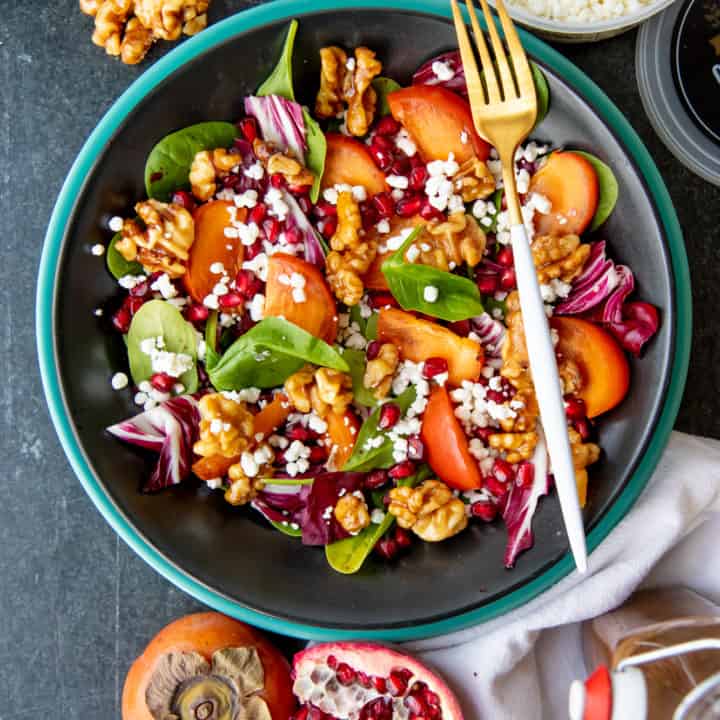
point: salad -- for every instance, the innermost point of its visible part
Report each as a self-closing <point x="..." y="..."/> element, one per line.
<point x="321" y="317"/>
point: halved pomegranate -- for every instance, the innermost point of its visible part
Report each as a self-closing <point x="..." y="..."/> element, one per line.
<point x="366" y="681"/>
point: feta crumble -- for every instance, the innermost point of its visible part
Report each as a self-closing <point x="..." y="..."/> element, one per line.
<point x="430" y="294"/>
<point x="119" y="381"/>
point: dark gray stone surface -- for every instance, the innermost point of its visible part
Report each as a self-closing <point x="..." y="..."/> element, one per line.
<point x="76" y="605"/>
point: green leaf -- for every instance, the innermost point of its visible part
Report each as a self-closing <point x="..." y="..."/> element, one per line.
<point x="280" y="80"/>
<point x="168" y="165"/>
<point x="492" y="304"/>
<point x="158" y="318"/>
<point x="608" y="189"/>
<point x="117" y="265"/>
<point x="269" y="353"/>
<point x="316" y="152"/>
<point x="371" y="331"/>
<point x="542" y="92"/>
<point x="368" y="458"/>
<point x="212" y="356"/>
<point x="458" y="297"/>
<point x="357" y="362"/>
<point x="286" y="529"/>
<point x="383" y="87"/>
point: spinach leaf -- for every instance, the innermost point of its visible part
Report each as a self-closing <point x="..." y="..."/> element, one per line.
<point x="368" y="458"/>
<point x="158" y="318"/>
<point x="607" y="189"/>
<point x="117" y="264"/>
<point x="348" y="555"/>
<point x="316" y="152"/>
<point x="269" y="353"/>
<point x="383" y="87"/>
<point x="280" y="80"/>
<point x="542" y="92"/>
<point x="168" y="165"/>
<point x="212" y="356"/>
<point x="356" y="360"/>
<point x="371" y="331"/>
<point x="458" y="297"/>
<point x="492" y="304"/>
<point x="286" y="529"/>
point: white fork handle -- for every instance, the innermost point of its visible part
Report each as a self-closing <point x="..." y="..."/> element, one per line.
<point x="543" y="367"/>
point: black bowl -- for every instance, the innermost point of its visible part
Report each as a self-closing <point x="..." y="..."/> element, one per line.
<point x="230" y="558"/>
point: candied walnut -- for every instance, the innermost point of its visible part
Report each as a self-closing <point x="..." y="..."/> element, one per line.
<point x="293" y="172"/>
<point x="226" y="426"/>
<point x="474" y="181"/>
<point x="163" y="17"/>
<point x="110" y="19"/>
<point x="449" y="243"/>
<point x="570" y="376"/>
<point x="90" y="7"/>
<point x="352" y="513"/>
<point x="195" y="16"/>
<point x="514" y="351"/>
<point x="559" y="257"/>
<point x="332" y="391"/>
<point x="136" y="42"/>
<point x="350" y="256"/>
<point x="517" y="445"/>
<point x="431" y="510"/>
<point x="209" y="166"/>
<point x="380" y="370"/>
<point x="164" y="244"/>
<point x="348" y="83"/>
<point x="584" y="454"/>
<point x="247" y="476"/>
<point x="297" y="388"/>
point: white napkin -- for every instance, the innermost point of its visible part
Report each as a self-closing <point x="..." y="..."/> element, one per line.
<point x="519" y="666"/>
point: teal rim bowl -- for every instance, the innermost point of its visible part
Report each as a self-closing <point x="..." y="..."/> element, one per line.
<point x="48" y="350"/>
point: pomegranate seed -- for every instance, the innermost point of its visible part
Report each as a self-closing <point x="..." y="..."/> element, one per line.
<point x="508" y="281"/>
<point x="230" y="300"/>
<point x="325" y="209"/>
<point x="378" y="709"/>
<point x="133" y="304"/>
<point x="247" y="284"/>
<point x="382" y="158"/>
<point x="121" y="320"/>
<point x="415" y="705"/>
<point x="301" y="714"/>
<point x="382" y="143"/>
<point x="387" y="548"/>
<point x="575" y="408"/>
<point x="257" y="214"/>
<point x="381" y="300"/>
<point x="271" y="227"/>
<point x="584" y="428"/>
<point x="253" y="250"/>
<point x="416" y="448"/>
<point x="403" y="538"/>
<point x="430" y="697"/>
<point x="497" y="488"/>
<point x="345" y="674"/>
<point x="461" y="327"/>
<point x="197" y="313"/>
<point x="387" y="126"/>
<point x="389" y="415"/>
<point x="502" y="470"/>
<point x="416" y="160"/>
<point x="428" y="212"/>
<point x="484" y="509"/>
<point x="332" y="662"/>
<point x="525" y="475"/>
<point x="184" y="199"/>
<point x="384" y="205"/>
<point x="496" y="396"/>
<point x="417" y="178"/>
<point x="373" y="349"/>
<point x="298" y="432"/>
<point x="298" y="190"/>
<point x="277" y="181"/>
<point x="230" y="182"/>
<point x="369" y="215"/>
<point x="505" y="257"/>
<point x="375" y="479"/>
<point x="487" y="284"/>
<point x="401" y="166"/>
<point x="318" y="454"/>
<point x="248" y="128"/>
<point x="363" y="679"/>
<point x="434" y="366"/>
<point x="162" y="382"/>
<point x="484" y="433"/>
<point x="398" y="680"/>
<point x="408" y="206"/>
<point x="329" y="227"/>
<point x="379" y="684"/>
<point x="292" y="236"/>
<point x="402" y="470"/>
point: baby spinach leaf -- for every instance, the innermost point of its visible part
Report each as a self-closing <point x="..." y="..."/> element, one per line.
<point x="371" y="331"/>
<point x="316" y="152"/>
<point x="286" y="529"/>
<point x="158" y="318"/>
<point x="117" y="264"/>
<point x="356" y="360"/>
<point x="368" y="458"/>
<point x="269" y="353"/>
<point x="383" y="87"/>
<point x="212" y="356"/>
<point x="607" y="189"/>
<point x="168" y="165"/>
<point x="542" y="92"/>
<point x="280" y="80"/>
<point x="458" y="297"/>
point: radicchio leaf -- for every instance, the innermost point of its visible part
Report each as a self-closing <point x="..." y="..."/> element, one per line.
<point x="612" y="312"/>
<point x="170" y="429"/>
<point x="297" y="219"/>
<point x="598" y="280"/>
<point x="521" y="504"/>
<point x="491" y="332"/>
<point x="280" y="506"/>
<point x="425" y="75"/>
<point x="640" y="322"/>
<point x="280" y="121"/>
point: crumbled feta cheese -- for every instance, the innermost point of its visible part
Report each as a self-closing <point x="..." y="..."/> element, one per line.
<point x="164" y="286"/>
<point x="217" y="268"/>
<point x="211" y="301"/>
<point x="248" y="199"/>
<point x="383" y="227"/>
<point x="359" y="193"/>
<point x="277" y="207"/>
<point x="377" y="516"/>
<point x="98" y="312"/>
<point x="480" y="209"/>
<point x="464" y="137"/>
<point x="555" y="289"/>
<point x="330" y="195"/>
<point x="255" y="171"/>
<point x="119" y="381"/>
<point x="97" y="250"/>
<point x="115" y="223"/>
<point x="220" y="289"/>
<point x="278" y="441"/>
<point x="128" y="282"/>
<point x="248" y="233"/>
<point x="442" y="71"/>
<point x="404" y="143"/>
<point x="256" y="307"/>
<point x="413" y="253"/>
<point x="430" y="293"/>
<point x="400" y="182"/>
<point x="249" y="465"/>
<point x="397" y="194"/>
<point x="395" y="242"/>
<point x="258" y="266"/>
<point x="350" y="64"/>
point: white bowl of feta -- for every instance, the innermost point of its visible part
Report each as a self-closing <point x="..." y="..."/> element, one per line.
<point x="582" y="20"/>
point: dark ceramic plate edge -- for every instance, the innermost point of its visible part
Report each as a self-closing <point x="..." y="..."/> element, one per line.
<point x="646" y="458"/>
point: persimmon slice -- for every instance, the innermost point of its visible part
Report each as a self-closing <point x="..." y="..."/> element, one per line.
<point x="348" y="161"/>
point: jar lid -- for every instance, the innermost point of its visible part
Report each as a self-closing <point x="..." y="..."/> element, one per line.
<point x="677" y="60"/>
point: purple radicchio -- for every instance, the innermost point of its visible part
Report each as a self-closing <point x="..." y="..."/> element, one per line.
<point x="169" y="429"/>
<point x="280" y="121"/>
<point x="426" y="75"/>
<point x="297" y="220"/>
<point x="597" y="281"/>
<point x="522" y="502"/>
<point x="491" y="333"/>
<point x="286" y="506"/>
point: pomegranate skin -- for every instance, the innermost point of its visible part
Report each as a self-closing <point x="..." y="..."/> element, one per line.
<point x="378" y="661"/>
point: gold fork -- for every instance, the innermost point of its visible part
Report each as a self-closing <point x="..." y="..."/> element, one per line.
<point x="504" y="116"/>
